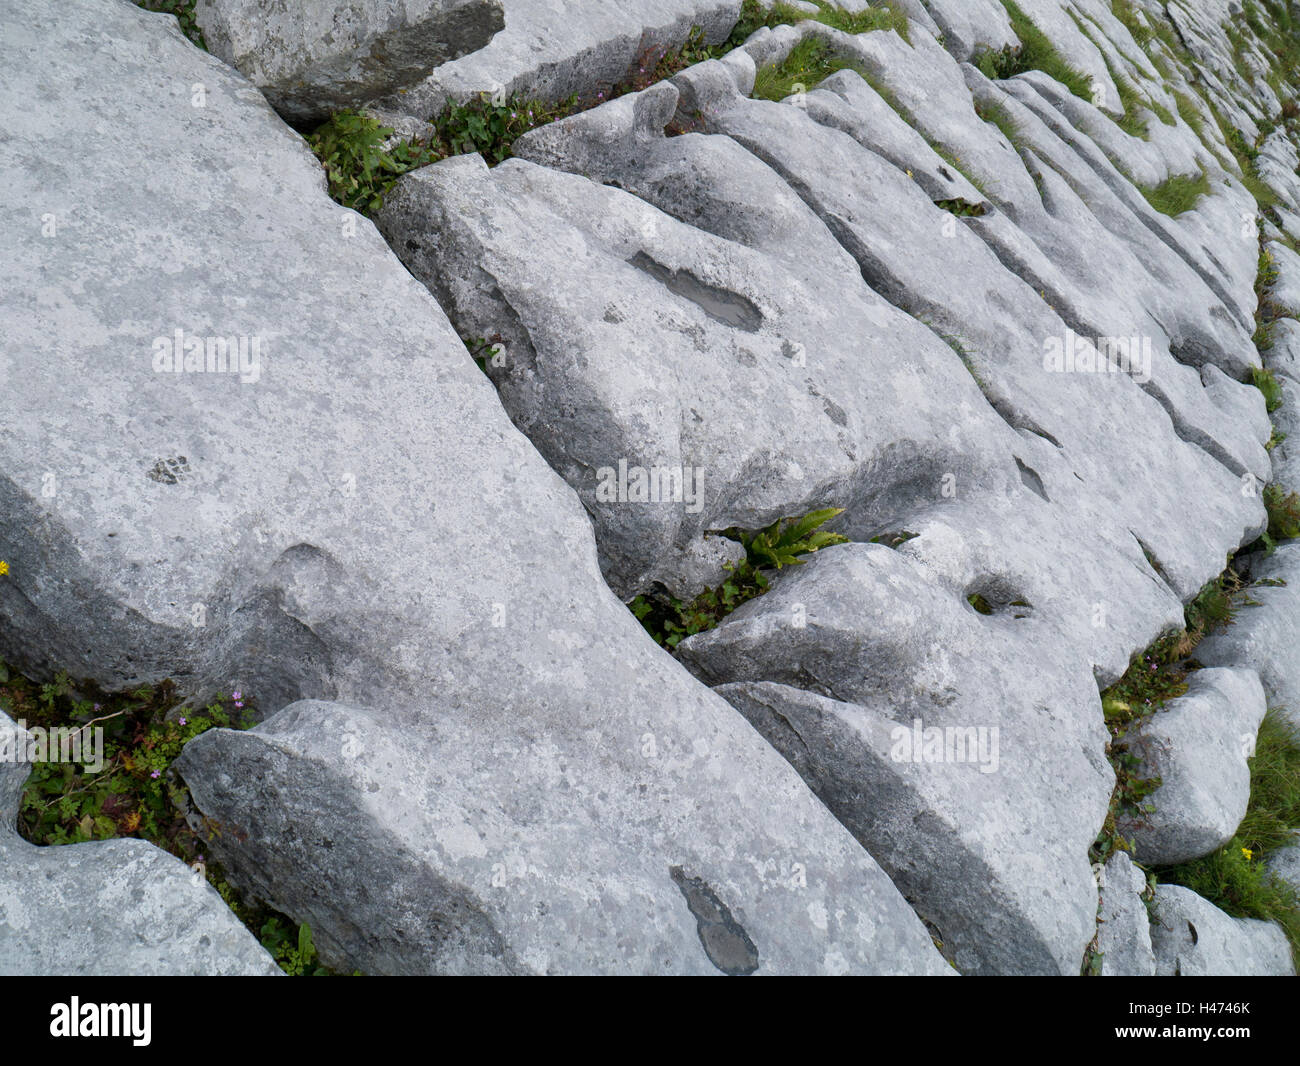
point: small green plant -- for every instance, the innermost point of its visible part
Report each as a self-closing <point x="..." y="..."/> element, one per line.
<point x="1267" y="383"/>
<point x="359" y="168"/>
<point x="962" y="208"/>
<point x="1176" y="194"/>
<point x="1036" y="52"/>
<point x="184" y="12"/>
<point x="1283" y="509"/>
<point x="786" y="540"/>
<point x="491" y="127"/>
<point x="483" y="349"/>
<point x="782" y="544"/>
<point x="293" y="951"/>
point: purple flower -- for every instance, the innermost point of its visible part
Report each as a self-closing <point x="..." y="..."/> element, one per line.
<point x="156" y="774"/>
<point x="183" y="722"/>
<point x="239" y="703"/>
<point x="236" y="695"/>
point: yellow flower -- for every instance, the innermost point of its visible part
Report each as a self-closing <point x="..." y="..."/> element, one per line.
<point x="4" y="568"/>
<point x="1248" y="853"/>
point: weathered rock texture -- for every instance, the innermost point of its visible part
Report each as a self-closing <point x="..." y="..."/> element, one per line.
<point x="1198" y="746"/>
<point x="552" y="51"/>
<point x="939" y="302"/>
<point x="1193" y="938"/>
<point x="315" y="57"/>
<point x="1123" y="924"/>
<point x="532" y="786"/>
<point x="679" y="329"/>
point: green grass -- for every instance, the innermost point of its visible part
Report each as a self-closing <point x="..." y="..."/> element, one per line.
<point x="1245" y="154"/>
<point x="783" y="543"/>
<point x="993" y="112"/>
<point x="809" y="63"/>
<point x="886" y="15"/>
<point x="1176" y="194"/>
<point x="1136" y="24"/>
<point x="1132" y="122"/>
<point x="1267" y="383"/>
<point x="1190" y="113"/>
<point x="1235" y="878"/>
<point x="1036" y="52"/>
<point x="1267" y="310"/>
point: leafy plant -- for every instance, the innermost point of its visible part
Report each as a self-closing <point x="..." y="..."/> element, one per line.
<point x="783" y="543"/>
<point x="360" y="169"/>
<point x="490" y="126"/>
<point x="295" y="952"/>
<point x="133" y="794"/>
<point x="962" y="208"/>
<point x="483" y="349"/>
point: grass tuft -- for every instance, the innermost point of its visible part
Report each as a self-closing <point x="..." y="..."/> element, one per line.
<point x="1267" y="383"/>
<point x="1176" y="194"/>
<point x="810" y="62"/>
<point x="1036" y="52"/>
